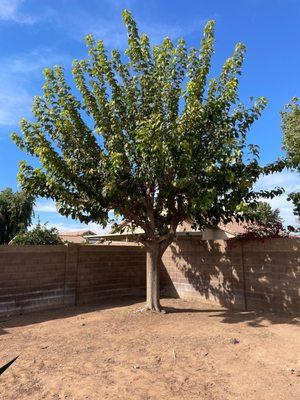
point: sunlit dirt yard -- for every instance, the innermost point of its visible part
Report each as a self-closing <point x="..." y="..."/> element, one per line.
<point x="195" y="351"/>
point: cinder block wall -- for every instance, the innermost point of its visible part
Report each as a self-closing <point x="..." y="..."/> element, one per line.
<point x="209" y="271"/>
<point x="31" y="277"/>
<point x="107" y="270"/>
<point x="42" y="277"/>
<point x="272" y="274"/>
<point x="241" y="274"/>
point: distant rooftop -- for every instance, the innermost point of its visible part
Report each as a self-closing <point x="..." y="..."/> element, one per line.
<point x="81" y="232"/>
<point x="75" y="236"/>
<point x="222" y="231"/>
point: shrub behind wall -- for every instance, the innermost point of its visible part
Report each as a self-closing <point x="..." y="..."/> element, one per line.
<point x="39" y="235"/>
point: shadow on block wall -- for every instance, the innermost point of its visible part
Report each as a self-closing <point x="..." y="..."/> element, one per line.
<point x="259" y="275"/>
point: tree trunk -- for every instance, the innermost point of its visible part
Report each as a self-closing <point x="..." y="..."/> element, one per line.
<point x="153" y="269"/>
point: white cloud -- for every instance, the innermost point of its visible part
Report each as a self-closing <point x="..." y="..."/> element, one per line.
<point x="287" y="179"/>
<point x="110" y="28"/>
<point x="14" y="103"/>
<point x="47" y="206"/>
<point x="10" y="11"/>
<point x="34" y="61"/>
<point x="290" y="181"/>
<point x="71" y="225"/>
<point x="17" y="75"/>
<point x="46" y="212"/>
<point x="114" y="35"/>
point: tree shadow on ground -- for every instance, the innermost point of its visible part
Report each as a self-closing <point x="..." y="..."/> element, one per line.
<point x="251" y="318"/>
<point x="261" y="276"/>
<point x="256" y="319"/>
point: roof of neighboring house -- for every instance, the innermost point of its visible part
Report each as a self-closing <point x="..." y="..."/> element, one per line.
<point x="81" y="232"/>
<point x="75" y="236"/>
<point x="116" y="243"/>
<point x="223" y="231"/>
<point x="234" y="227"/>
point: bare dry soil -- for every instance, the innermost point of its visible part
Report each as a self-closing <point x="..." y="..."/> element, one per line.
<point x="113" y="351"/>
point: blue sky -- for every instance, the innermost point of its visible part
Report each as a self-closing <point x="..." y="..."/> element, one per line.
<point x="35" y="34"/>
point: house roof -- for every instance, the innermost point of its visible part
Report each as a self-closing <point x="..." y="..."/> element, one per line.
<point x="223" y="231"/>
<point x="81" y="232"/>
<point x="75" y="236"/>
<point x="234" y="228"/>
<point x="116" y="243"/>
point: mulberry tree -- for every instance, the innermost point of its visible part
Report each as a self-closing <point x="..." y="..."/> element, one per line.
<point x="150" y="137"/>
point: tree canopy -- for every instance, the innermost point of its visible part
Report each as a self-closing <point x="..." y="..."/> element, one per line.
<point x="291" y="132"/>
<point x="152" y="137"/>
<point x="262" y="214"/>
<point x="16" y="211"/>
<point x="291" y="142"/>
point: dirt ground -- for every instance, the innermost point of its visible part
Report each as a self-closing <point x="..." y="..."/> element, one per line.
<point x="195" y="351"/>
